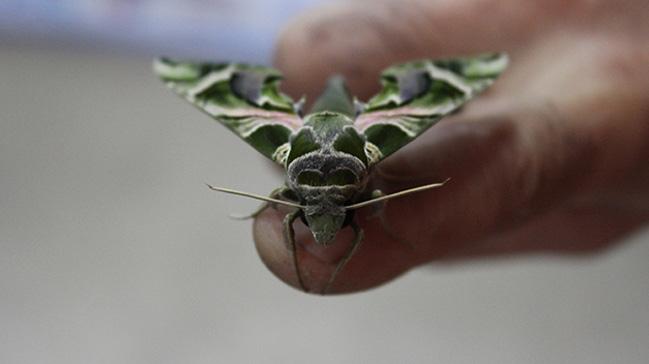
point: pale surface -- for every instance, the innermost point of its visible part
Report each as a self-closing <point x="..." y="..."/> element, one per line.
<point x="113" y="251"/>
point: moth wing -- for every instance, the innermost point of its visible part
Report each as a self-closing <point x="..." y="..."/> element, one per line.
<point x="244" y="98"/>
<point x="418" y="94"/>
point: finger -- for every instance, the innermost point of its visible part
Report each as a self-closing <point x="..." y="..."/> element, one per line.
<point x="581" y="138"/>
<point x="575" y="229"/>
<point x="358" y="39"/>
<point x="499" y="180"/>
<point x="426" y="226"/>
<point x="317" y="263"/>
<point x="507" y="164"/>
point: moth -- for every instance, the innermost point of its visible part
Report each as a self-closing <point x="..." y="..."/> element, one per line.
<point x="329" y="150"/>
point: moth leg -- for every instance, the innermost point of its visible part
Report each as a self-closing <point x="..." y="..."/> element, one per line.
<point x="289" y="239"/>
<point x="379" y="213"/>
<point x="276" y="193"/>
<point x="356" y="243"/>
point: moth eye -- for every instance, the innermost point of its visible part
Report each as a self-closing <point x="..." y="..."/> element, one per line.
<point x="341" y="177"/>
<point x="310" y="178"/>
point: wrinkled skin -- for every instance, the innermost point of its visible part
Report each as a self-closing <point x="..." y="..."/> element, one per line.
<point x="553" y="159"/>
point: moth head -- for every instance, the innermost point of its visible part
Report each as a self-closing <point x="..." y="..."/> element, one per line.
<point x="324" y="225"/>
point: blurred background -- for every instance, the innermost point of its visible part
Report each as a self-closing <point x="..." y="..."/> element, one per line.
<point x="113" y="251"/>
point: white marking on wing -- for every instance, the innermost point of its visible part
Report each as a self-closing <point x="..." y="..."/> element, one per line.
<point x="450" y="78"/>
<point x="281" y="153"/>
<point x="405" y="118"/>
<point x="373" y="153"/>
<point x="209" y="80"/>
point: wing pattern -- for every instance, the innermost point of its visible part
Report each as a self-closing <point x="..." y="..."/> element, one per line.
<point x="416" y="95"/>
<point x="244" y="98"/>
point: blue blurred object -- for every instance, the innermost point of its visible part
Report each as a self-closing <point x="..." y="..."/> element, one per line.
<point x="211" y="29"/>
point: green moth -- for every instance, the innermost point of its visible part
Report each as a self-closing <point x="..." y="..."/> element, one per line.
<point x="329" y="151"/>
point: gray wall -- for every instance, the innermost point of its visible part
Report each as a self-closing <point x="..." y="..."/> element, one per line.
<point x="113" y="251"/>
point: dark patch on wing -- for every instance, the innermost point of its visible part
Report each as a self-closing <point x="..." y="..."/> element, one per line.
<point x="247" y="85"/>
<point x="412" y="84"/>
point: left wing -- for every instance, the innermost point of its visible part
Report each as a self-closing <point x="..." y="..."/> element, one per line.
<point x="244" y="98"/>
<point x="416" y="95"/>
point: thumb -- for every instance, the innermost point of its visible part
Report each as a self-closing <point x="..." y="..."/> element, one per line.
<point x="359" y="39"/>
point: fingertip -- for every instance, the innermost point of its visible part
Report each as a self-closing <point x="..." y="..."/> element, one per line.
<point x="314" y="262"/>
<point x="378" y="260"/>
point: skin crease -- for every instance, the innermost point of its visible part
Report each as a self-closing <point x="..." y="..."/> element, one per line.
<point x="552" y="159"/>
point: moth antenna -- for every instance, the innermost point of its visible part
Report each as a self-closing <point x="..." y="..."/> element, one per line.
<point x="396" y="194"/>
<point x="239" y="217"/>
<point x="255" y="196"/>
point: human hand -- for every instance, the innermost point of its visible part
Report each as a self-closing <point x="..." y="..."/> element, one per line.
<point x="553" y="158"/>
